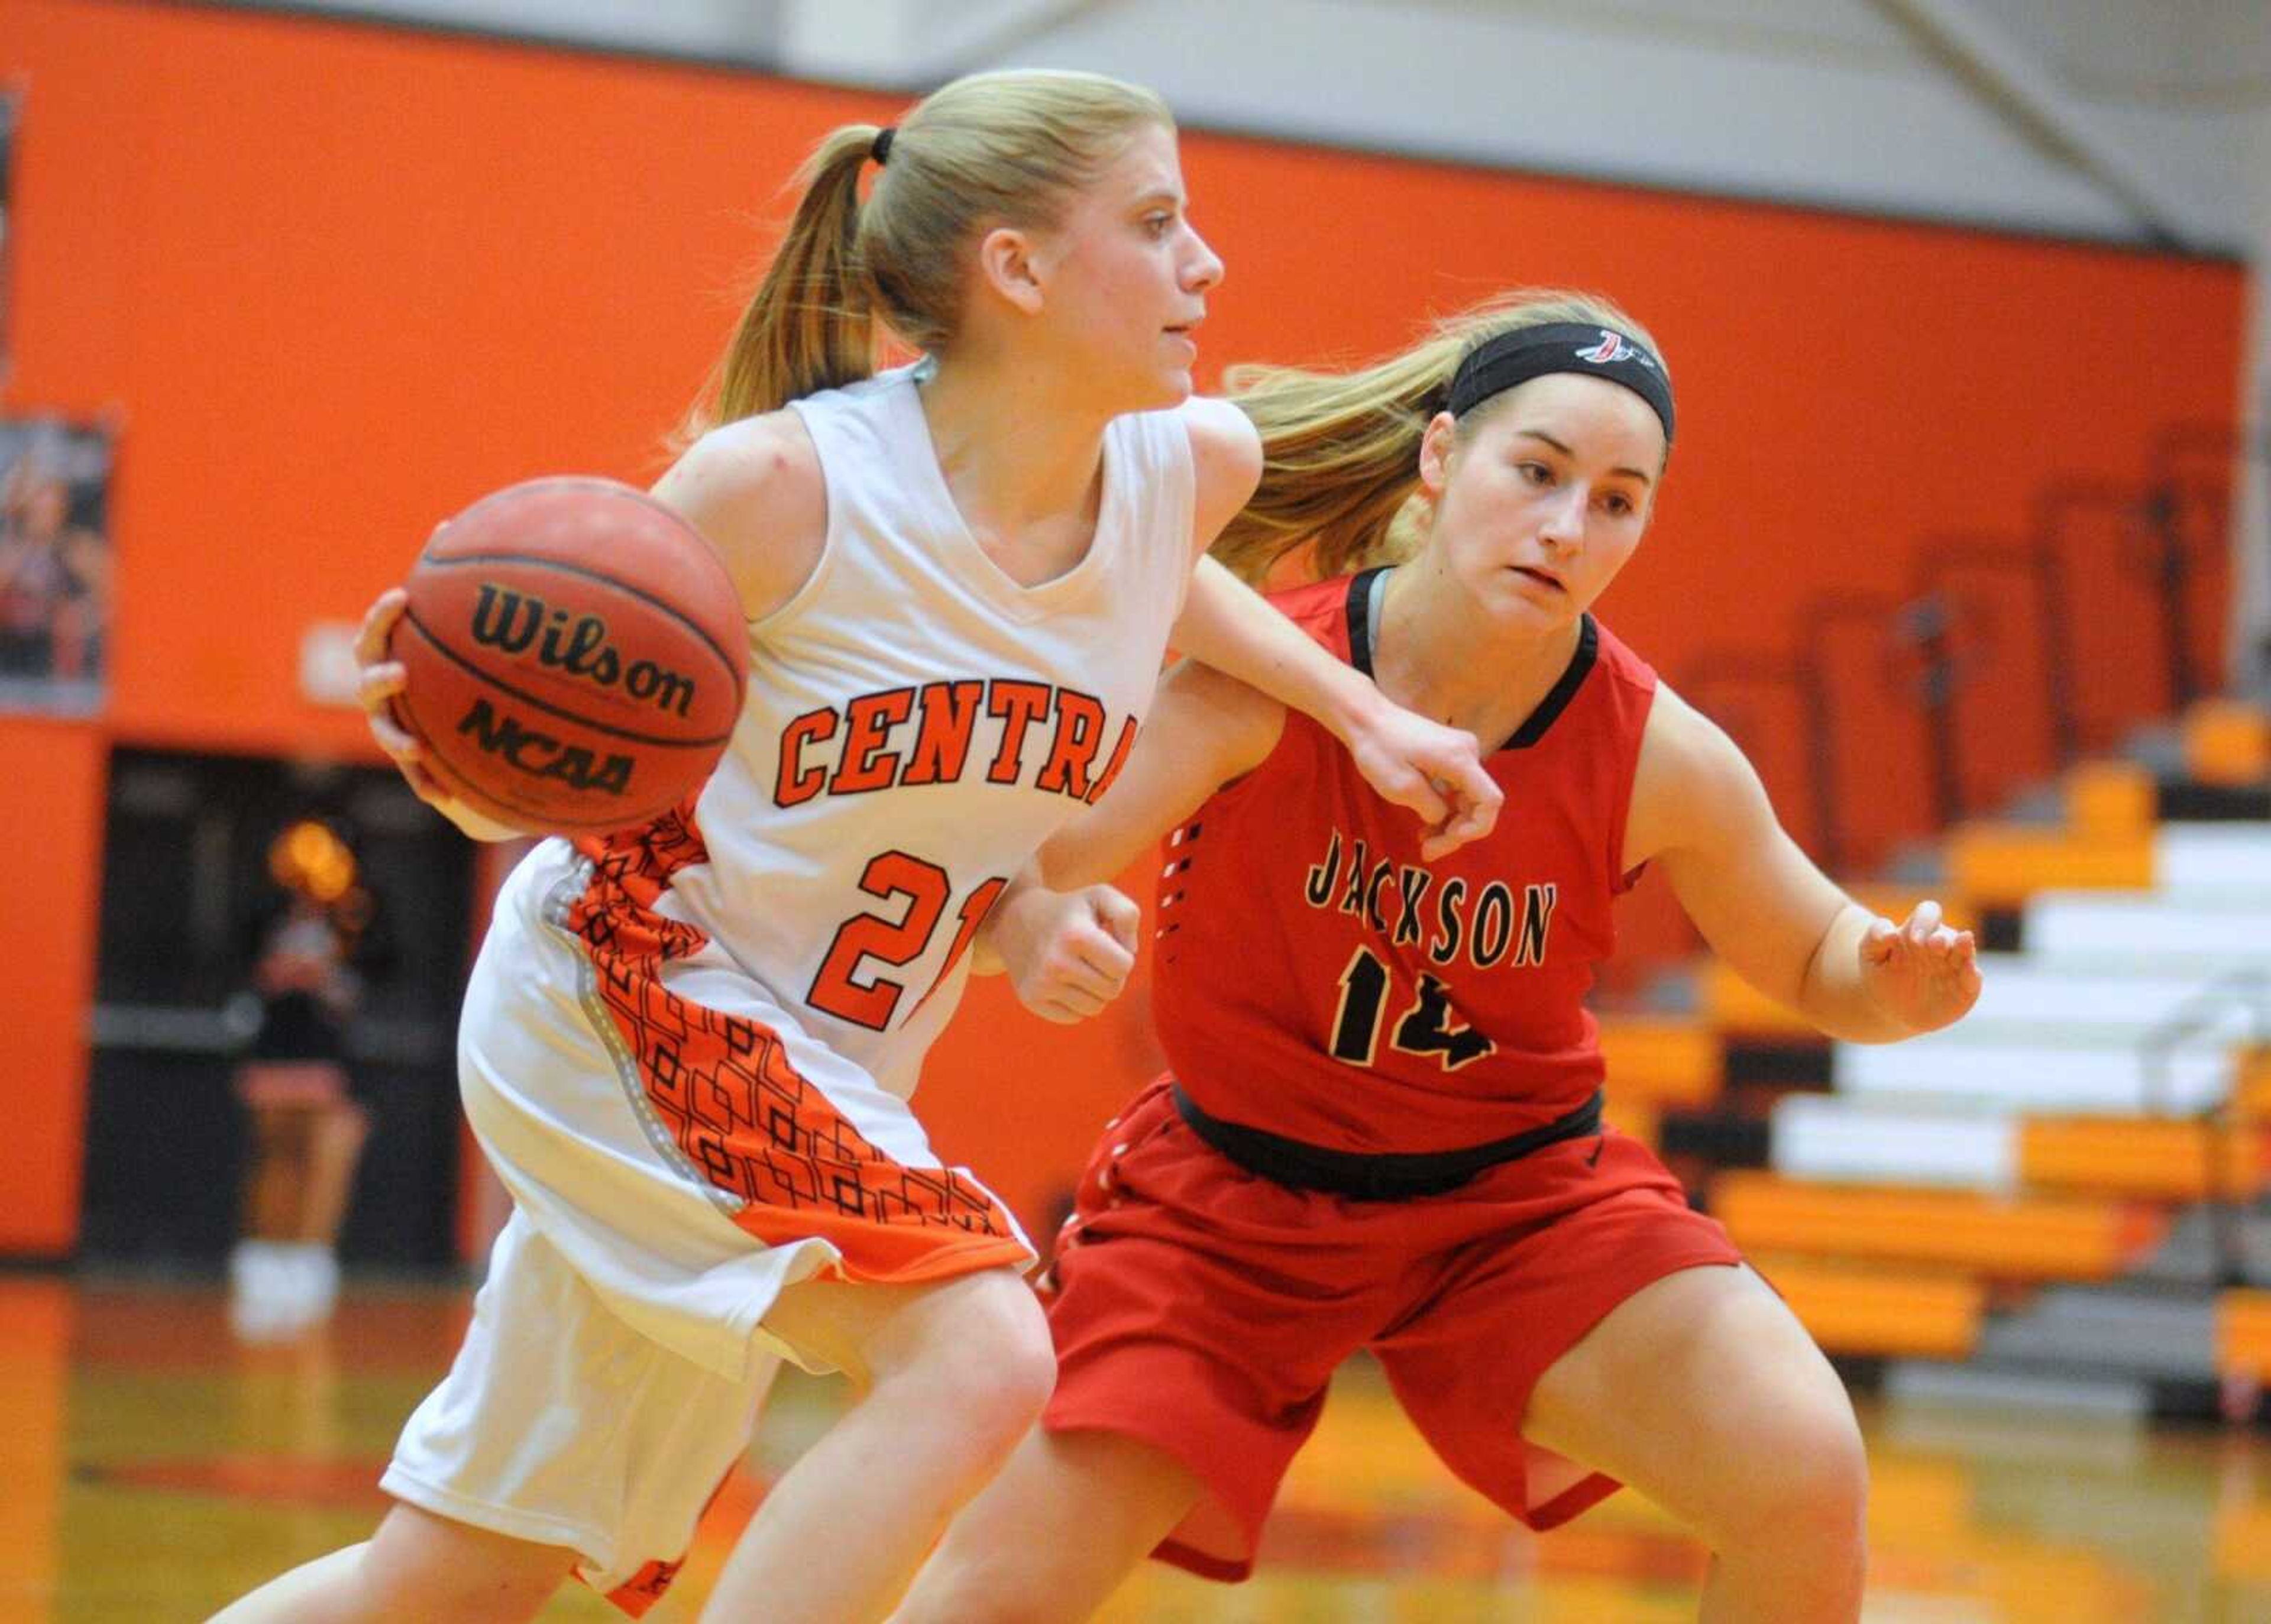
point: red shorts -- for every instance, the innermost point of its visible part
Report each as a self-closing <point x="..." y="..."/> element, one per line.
<point x="1203" y="1309"/>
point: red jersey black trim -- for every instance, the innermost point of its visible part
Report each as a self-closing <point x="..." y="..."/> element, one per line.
<point x="1360" y="617"/>
<point x="1362" y="639"/>
<point x="1549" y="710"/>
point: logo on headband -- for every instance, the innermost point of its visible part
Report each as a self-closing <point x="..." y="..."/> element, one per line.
<point x="1615" y="347"/>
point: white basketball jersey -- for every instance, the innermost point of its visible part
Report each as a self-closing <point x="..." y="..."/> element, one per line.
<point x="917" y="723"/>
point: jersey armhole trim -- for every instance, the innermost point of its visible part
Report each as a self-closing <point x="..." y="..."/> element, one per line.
<point x="830" y="540"/>
<point x="1624" y="875"/>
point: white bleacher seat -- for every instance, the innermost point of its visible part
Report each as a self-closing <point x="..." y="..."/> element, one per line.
<point x="2213" y="860"/>
<point x="2021" y="998"/>
<point x="2142" y="932"/>
<point x="1821" y="1137"/>
<point x="1955" y="1070"/>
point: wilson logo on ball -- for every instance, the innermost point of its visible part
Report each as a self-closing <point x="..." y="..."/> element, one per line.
<point x="574" y="657"/>
<point x="540" y="755"/>
<point x="513" y="622"/>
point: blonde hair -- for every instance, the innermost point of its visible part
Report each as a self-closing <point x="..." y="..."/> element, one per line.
<point x="1340" y="451"/>
<point x="991" y="149"/>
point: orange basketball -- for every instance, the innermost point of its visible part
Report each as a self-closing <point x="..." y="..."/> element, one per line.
<point x="577" y="656"/>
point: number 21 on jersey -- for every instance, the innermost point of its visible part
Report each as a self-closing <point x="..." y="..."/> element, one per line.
<point x="926" y="890"/>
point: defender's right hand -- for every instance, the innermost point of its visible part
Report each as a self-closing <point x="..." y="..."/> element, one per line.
<point x="1067" y="954"/>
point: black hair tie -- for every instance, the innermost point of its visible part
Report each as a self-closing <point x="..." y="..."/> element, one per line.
<point x="880" y="150"/>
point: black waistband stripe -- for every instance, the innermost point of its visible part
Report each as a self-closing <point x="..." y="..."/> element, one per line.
<point x="1383" y="1175"/>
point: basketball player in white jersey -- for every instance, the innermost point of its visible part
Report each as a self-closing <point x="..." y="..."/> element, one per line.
<point x="687" y="1049"/>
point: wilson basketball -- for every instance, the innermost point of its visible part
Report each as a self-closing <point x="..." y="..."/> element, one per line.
<point x="576" y="656"/>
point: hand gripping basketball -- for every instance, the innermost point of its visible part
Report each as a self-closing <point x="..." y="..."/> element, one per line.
<point x="574" y="657"/>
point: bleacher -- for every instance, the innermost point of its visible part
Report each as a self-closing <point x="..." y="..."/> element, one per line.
<point x="2060" y="1199"/>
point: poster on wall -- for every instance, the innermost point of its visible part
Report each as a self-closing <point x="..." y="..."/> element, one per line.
<point x="54" y="565"/>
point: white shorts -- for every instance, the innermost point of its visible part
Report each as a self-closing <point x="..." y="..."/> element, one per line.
<point x="679" y="1151"/>
<point x="686" y="1146"/>
<point x="585" y="1434"/>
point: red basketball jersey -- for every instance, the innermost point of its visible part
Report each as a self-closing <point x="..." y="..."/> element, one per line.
<point x="1315" y="978"/>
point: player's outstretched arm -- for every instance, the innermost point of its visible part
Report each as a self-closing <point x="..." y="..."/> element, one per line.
<point x="1204" y="730"/>
<point x="1699" y="810"/>
<point x="1069" y="951"/>
<point x="1434" y="770"/>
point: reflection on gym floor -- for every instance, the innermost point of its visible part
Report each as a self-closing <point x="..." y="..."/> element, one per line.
<point x="154" y="1467"/>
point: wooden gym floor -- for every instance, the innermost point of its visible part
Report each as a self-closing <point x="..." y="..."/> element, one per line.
<point x="151" y="1469"/>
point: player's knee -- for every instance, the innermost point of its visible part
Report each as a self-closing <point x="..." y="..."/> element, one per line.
<point x="1016" y="1370"/>
<point x="994" y="1373"/>
<point x="1811" y="1489"/>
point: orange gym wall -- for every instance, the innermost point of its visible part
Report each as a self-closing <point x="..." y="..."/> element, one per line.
<point x="336" y="279"/>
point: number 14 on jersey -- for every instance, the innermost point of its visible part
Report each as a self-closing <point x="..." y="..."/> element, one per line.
<point x="1427" y="1025"/>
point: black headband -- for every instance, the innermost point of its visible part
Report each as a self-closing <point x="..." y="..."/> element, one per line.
<point x="1497" y="363"/>
<point x="880" y="149"/>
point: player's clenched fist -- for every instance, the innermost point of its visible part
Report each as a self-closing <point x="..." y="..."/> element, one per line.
<point x="1068" y="953"/>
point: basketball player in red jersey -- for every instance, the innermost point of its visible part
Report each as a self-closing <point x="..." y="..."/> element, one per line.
<point x="1382" y="1128"/>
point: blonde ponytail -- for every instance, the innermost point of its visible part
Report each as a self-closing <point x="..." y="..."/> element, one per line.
<point x="991" y="149"/>
<point x="810" y="325"/>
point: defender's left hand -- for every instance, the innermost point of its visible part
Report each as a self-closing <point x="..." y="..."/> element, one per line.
<point x="1922" y="972"/>
<point x="1436" y="770"/>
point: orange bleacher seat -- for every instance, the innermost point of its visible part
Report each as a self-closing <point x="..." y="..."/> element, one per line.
<point x="2243" y="1333"/>
<point x="2172" y="1158"/>
<point x="1733" y="1005"/>
<point x="2109" y="799"/>
<point x="2251" y="1086"/>
<point x="1895" y="902"/>
<point x="2227" y="742"/>
<point x="1880" y="1312"/>
<point x="2006" y="863"/>
<point x="1636" y="1119"/>
<point x="2008" y="1238"/>
<point x="1660" y="1062"/>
